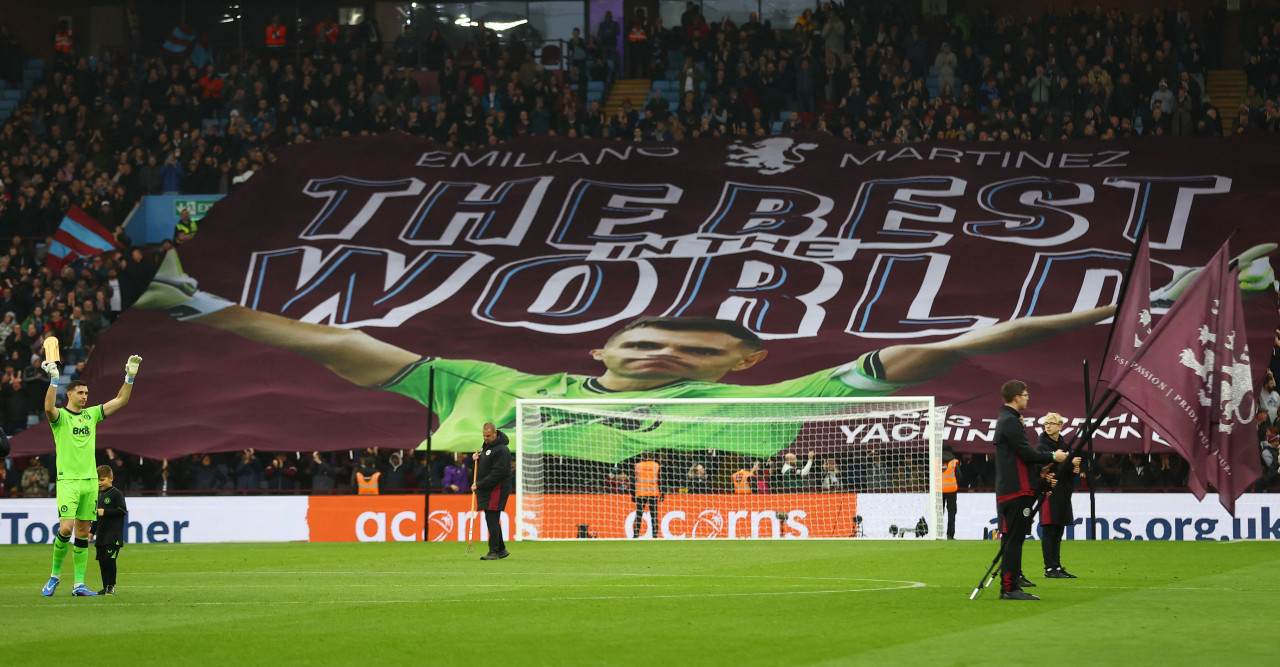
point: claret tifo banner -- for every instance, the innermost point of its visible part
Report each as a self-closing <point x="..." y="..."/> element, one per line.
<point x="370" y="276"/>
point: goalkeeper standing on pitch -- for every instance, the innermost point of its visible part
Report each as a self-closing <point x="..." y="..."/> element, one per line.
<point x="75" y="436"/>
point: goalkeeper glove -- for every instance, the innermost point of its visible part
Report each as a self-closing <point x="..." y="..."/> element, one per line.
<point x="51" y="367"/>
<point x="1256" y="275"/>
<point x="130" y="368"/>
<point x="174" y="293"/>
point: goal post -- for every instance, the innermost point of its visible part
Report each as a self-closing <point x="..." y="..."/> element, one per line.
<point x="729" y="468"/>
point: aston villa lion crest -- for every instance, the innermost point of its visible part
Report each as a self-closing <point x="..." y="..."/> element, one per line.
<point x="1232" y="371"/>
<point x="774" y="155"/>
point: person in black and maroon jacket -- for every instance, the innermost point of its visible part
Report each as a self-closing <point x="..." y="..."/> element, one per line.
<point x="1055" y="512"/>
<point x="494" y="482"/>
<point x="1016" y="479"/>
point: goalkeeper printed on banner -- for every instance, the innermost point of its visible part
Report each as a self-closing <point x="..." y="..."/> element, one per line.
<point x="652" y="357"/>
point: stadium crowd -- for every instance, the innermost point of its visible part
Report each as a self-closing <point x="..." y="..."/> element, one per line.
<point x="102" y="134"/>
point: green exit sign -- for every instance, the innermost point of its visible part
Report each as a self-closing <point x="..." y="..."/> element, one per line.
<point x="198" y="208"/>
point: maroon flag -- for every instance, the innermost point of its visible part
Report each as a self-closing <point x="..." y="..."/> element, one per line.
<point x="1133" y="319"/>
<point x="1191" y="381"/>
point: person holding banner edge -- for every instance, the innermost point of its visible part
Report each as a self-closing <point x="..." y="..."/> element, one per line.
<point x="1055" y="511"/>
<point x="1014" y="493"/>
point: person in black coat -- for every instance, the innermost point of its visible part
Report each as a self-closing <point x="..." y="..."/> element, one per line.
<point x="108" y="529"/>
<point x="1014" y="492"/>
<point x="1055" y="512"/>
<point x="494" y="482"/>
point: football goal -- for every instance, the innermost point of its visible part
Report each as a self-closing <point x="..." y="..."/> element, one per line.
<point x="738" y="468"/>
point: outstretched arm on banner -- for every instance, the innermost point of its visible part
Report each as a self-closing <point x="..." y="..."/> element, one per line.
<point x="353" y="355"/>
<point x="909" y="364"/>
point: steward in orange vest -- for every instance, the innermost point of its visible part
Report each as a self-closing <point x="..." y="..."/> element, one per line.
<point x="949" y="477"/>
<point x="276" y="34"/>
<point x="742" y="478"/>
<point x="62" y="45"/>
<point x="366" y="478"/>
<point x="638" y="46"/>
<point x="367" y="485"/>
<point x="949" y="488"/>
<point x="647" y="492"/>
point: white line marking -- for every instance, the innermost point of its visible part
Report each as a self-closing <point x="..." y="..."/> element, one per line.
<point x="909" y="584"/>
<point x="893" y="585"/>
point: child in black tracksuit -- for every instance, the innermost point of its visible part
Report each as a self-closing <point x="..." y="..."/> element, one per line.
<point x="109" y="528"/>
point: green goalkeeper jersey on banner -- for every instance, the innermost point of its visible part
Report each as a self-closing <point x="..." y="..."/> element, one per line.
<point x="470" y="393"/>
<point x="75" y="437"/>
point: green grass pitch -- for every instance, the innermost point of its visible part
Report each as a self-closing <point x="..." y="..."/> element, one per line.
<point x="647" y="603"/>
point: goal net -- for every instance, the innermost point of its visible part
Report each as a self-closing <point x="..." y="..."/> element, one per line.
<point x="740" y="468"/>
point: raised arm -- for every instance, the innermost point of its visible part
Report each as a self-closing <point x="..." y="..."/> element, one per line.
<point x="126" y="389"/>
<point x="909" y="364"/>
<point x="51" y="394"/>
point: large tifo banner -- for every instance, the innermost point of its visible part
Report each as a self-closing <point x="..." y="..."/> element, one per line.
<point x="373" y="275"/>
<point x="1121" y="516"/>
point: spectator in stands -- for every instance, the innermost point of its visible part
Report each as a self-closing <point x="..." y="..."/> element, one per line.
<point x="617" y="481"/>
<point x="795" y="478"/>
<point x="321" y="472"/>
<point x="171" y="174"/>
<point x="209" y="476"/>
<point x="1269" y="398"/>
<point x="831" y="481"/>
<point x="281" y="473"/>
<point x="35" y="479"/>
<point x="1171" y="471"/>
<point x="248" y="471"/>
<point x="607" y="32"/>
<point x="164" y="482"/>
<point x="394" y="474"/>
<point x="1137" y="472"/>
<point x="697" y="480"/>
<point x="457" y="476"/>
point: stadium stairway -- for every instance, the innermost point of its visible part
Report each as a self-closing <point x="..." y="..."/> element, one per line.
<point x="637" y="90"/>
<point x="1224" y="88"/>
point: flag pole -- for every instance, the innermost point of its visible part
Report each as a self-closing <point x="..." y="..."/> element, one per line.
<point x="431" y="420"/>
<point x="1124" y="292"/>
<point x="1089" y="475"/>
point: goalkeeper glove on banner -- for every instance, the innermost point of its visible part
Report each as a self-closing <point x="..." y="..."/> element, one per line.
<point x="1256" y="276"/>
